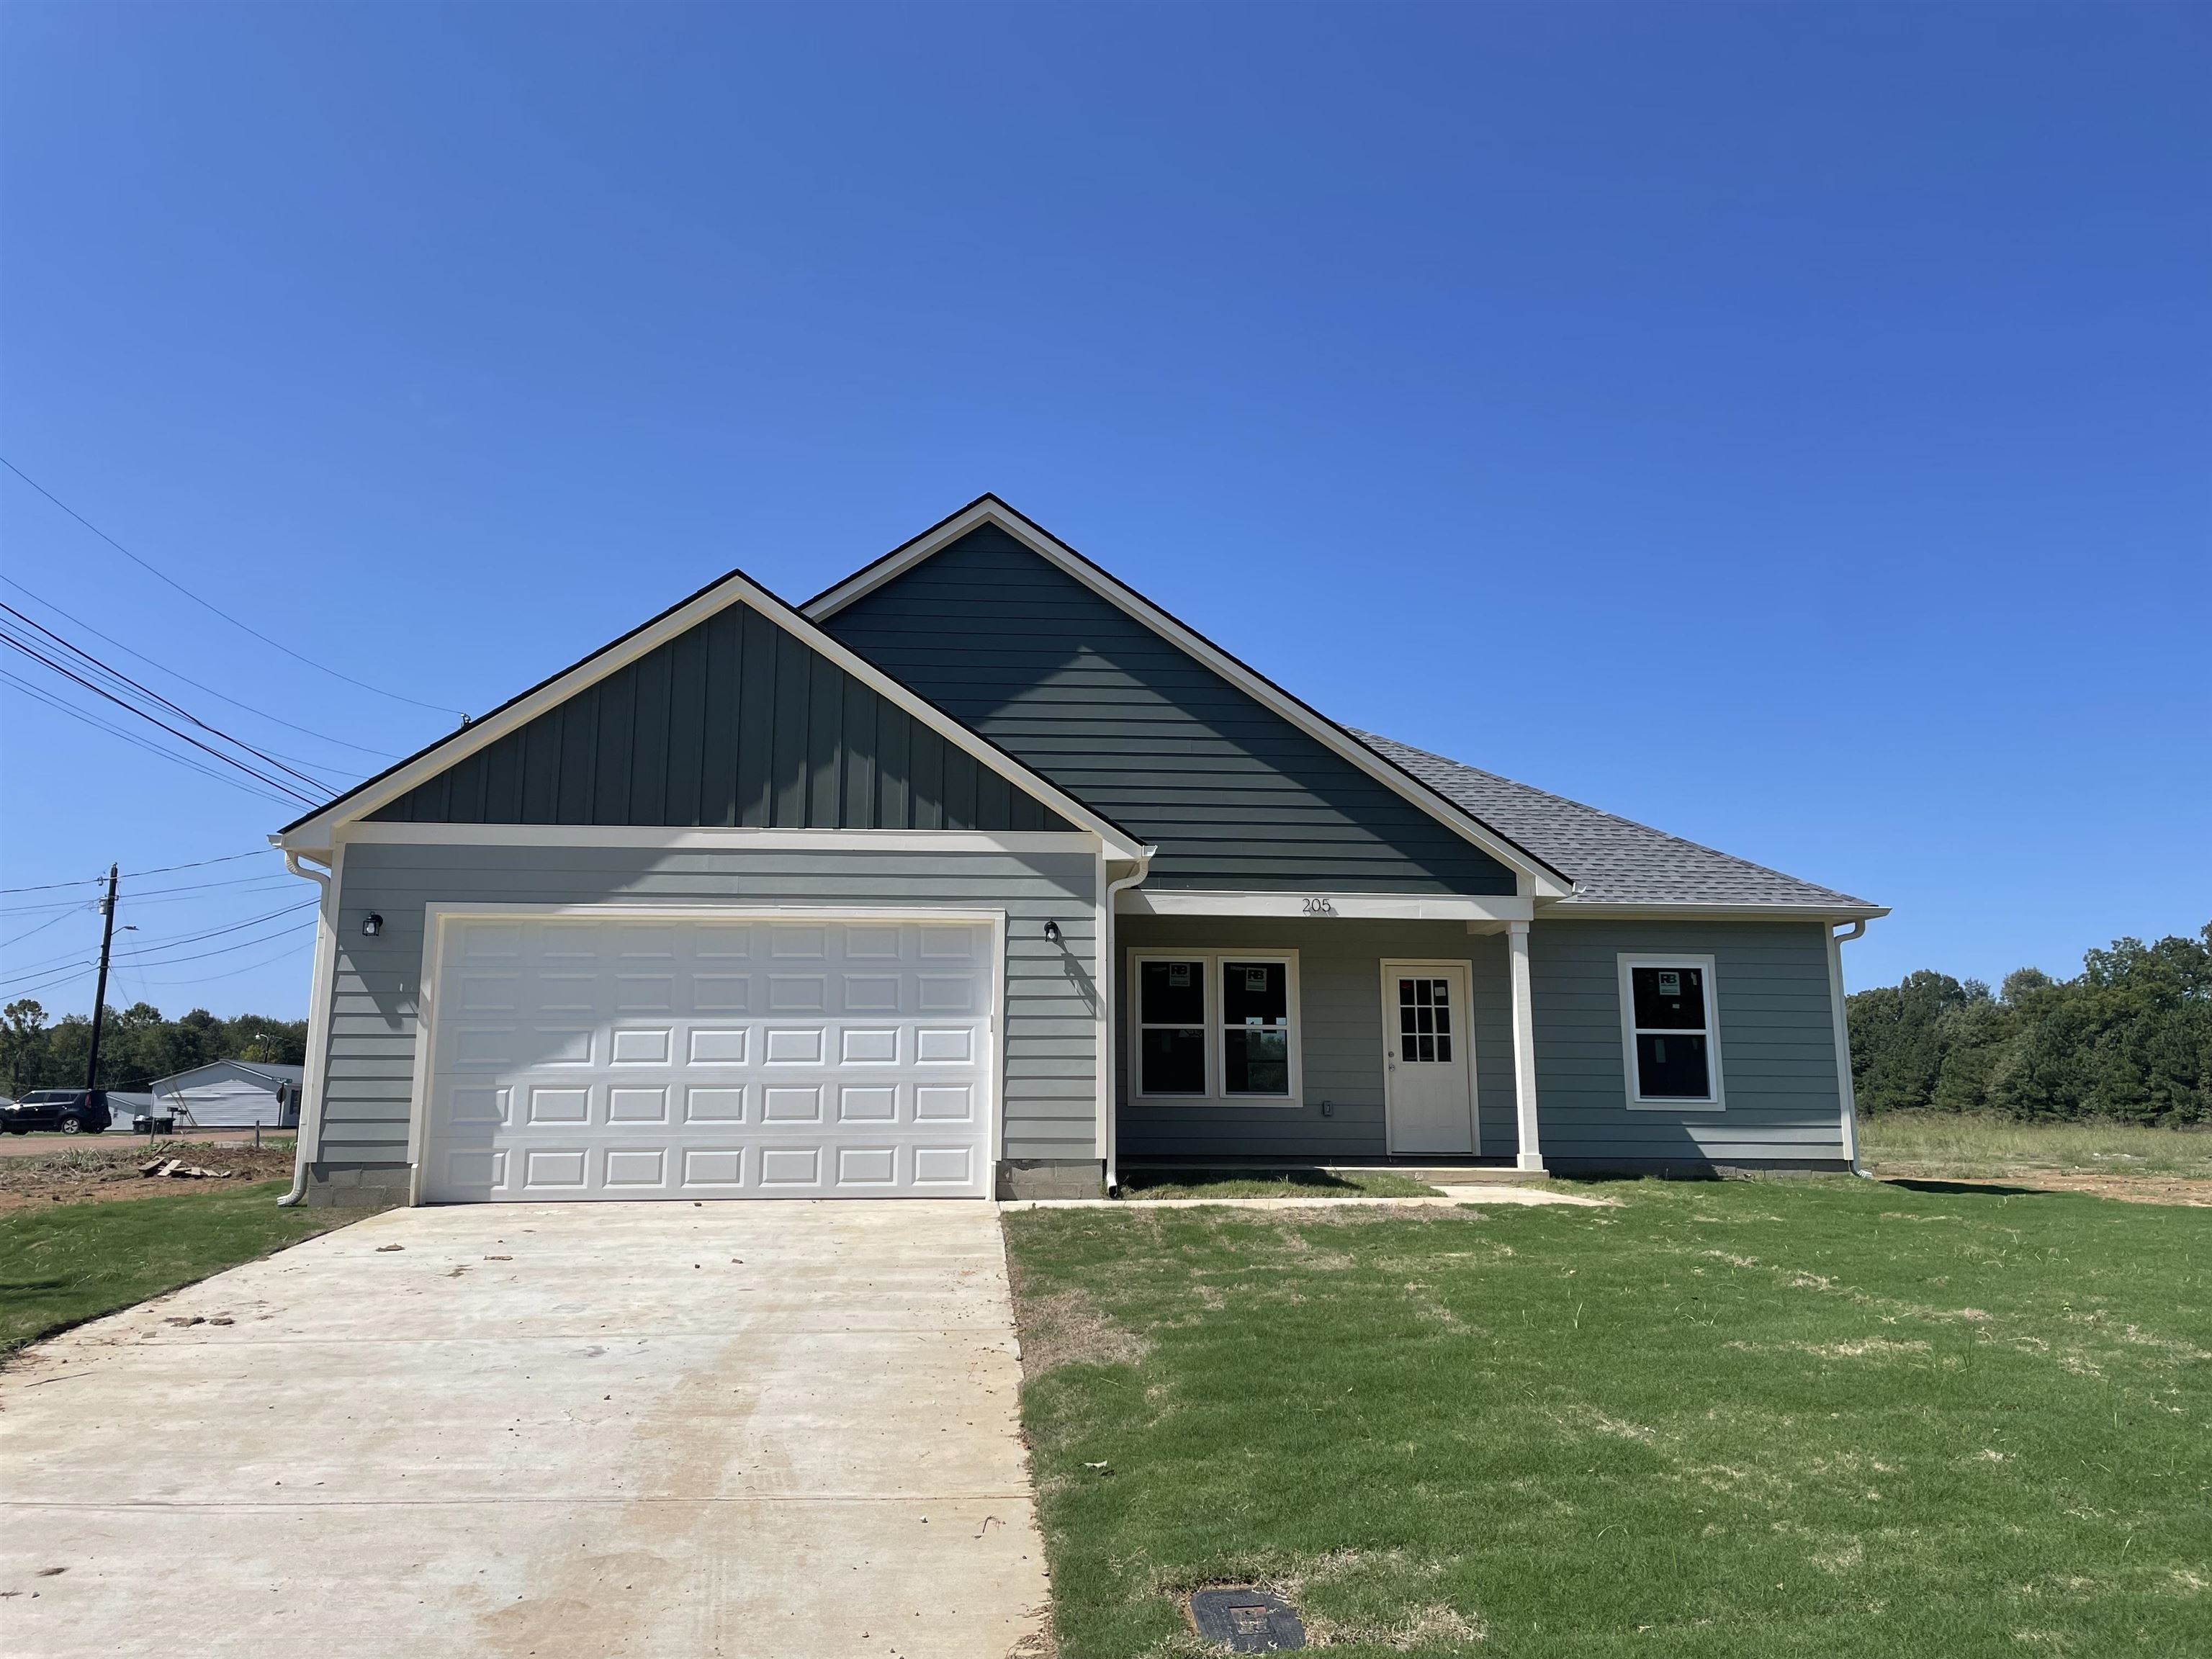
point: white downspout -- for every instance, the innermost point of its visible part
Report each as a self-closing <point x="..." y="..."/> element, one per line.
<point x="1844" y="1088"/>
<point x="319" y="1020"/>
<point x="1109" y="960"/>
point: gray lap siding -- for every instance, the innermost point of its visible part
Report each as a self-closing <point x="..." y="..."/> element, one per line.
<point x="1776" y="1044"/>
<point x="1340" y="1040"/>
<point x="1776" y="1041"/>
<point x="1050" y="1038"/>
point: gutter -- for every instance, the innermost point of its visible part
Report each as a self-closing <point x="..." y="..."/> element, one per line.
<point x="1844" y="1089"/>
<point x="319" y="1019"/>
<point x="1106" y="980"/>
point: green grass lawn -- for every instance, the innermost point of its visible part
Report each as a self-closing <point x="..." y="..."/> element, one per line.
<point x="62" y="1265"/>
<point x="1273" y="1183"/>
<point x="1965" y="1147"/>
<point x="1825" y="1418"/>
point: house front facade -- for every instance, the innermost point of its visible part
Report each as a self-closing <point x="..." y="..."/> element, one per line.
<point x="979" y="874"/>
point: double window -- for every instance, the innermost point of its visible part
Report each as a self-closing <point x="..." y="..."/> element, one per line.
<point x="1215" y="1025"/>
<point x="1670" y="1036"/>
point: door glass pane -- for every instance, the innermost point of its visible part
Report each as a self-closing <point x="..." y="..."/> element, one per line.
<point x="1171" y="993"/>
<point x="1672" y="1067"/>
<point x="1424" y="1021"/>
<point x="1255" y="993"/>
<point x="1669" y="998"/>
<point x="1256" y="1062"/>
<point x="1172" y="1062"/>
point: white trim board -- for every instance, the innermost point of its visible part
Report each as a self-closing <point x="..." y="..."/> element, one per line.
<point x="1716" y="1097"/>
<point x="436" y="915"/>
<point x="1216" y="1051"/>
<point x="1536" y="877"/>
<point x="1586" y="910"/>
<point x="1322" y="907"/>
<point x="316" y="829"/>
<point x="718" y="840"/>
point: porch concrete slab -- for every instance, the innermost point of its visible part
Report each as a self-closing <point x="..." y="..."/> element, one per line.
<point x="743" y="1428"/>
<point x="1450" y="1196"/>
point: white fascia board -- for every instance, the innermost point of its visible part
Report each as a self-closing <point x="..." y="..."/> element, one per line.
<point x="718" y="840"/>
<point x="1536" y="878"/>
<point x="317" y="832"/>
<point x="1585" y="910"/>
<point x="1348" y="906"/>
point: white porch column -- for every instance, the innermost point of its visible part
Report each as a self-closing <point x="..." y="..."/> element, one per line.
<point x="1524" y="1047"/>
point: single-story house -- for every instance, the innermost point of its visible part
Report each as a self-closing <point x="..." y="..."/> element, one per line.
<point x="981" y="873"/>
<point x="231" y="1094"/>
<point x="126" y="1106"/>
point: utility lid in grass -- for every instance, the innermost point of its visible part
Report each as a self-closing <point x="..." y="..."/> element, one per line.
<point x="1247" y="1620"/>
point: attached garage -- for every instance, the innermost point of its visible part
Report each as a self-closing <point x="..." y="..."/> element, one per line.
<point x="618" y="1052"/>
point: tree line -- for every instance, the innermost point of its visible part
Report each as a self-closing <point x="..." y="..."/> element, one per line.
<point x="2129" y="1038"/>
<point x="136" y="1045"/>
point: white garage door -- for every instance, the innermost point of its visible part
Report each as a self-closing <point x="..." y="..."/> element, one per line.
<point x="582" y="1058"/>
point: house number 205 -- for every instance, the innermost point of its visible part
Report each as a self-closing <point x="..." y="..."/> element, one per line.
<point x="1319" y="906"/>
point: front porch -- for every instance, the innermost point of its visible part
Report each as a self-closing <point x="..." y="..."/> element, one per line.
<point x="1286" y="1041"/>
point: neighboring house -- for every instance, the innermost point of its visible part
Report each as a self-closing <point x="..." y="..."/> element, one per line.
<point x="126" y="1106"/>
<point x="231" y="1094"/>
<point x="982" y="873"/>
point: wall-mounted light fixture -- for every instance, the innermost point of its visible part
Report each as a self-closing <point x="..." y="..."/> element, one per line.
<point x="371" y="925"/>
<point x="1052" y="932"/>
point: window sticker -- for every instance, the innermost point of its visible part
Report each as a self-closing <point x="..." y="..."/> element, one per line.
<point x="1670" y="982"/>
<point x="1255" y="979"/>
<point x="1179" y="976"/>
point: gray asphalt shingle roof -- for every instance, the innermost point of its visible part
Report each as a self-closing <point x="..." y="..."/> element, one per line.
<point x="1612" y="861"/>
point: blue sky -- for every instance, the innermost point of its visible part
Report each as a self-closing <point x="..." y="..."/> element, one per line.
<point x="1785" y="425"/>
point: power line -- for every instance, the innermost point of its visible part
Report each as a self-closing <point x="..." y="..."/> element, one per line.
<point x="210" y="979"/>
<point x="273" y="877"/>
<point x="138" y="742"/>
<point x="241" y="945"/>
<point x="275" y="644"/>
<point x="132" y="875"/>
<point x="304" y="731"/>
<point x="50" y="886"/>
<point x="49" y="922"/>
<point x="217" y="932"/>
<point x="117" y="676"/>
<point x="198" y="864"/>
<point x="9" y="639"/>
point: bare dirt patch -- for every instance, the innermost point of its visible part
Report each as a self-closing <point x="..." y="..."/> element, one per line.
<point x="104" y="1174"/>
<point x="1066" y="1328"/>
<point x="2133" y="1189"/>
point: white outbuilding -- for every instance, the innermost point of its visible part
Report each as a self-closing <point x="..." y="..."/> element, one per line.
<point x="231" y="1094"/>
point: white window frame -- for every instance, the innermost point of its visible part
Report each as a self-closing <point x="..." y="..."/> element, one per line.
<point x="1715" y="1100"/>
<point x="1217" y="1093"/>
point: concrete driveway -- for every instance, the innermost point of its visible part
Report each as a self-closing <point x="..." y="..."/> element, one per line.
<point x="755" y="1429"/>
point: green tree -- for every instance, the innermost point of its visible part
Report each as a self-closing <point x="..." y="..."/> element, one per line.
<point x="2129" y="1038"/>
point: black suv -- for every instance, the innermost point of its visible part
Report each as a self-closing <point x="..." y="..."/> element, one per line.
<point x="73" y="1111"/>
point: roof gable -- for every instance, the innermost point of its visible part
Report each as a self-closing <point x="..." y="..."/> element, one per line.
<point x="1102" y="690"/>
<point x="727" y="709"/>
<point x="733" y="722"/>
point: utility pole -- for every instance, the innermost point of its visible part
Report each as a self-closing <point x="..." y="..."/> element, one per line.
<point x="99" y="996"/>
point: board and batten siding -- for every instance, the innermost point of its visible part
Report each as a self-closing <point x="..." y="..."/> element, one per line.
<point x="1777" y="1047"/>
<point x="734" y="722"/>
<point x="1049" y="1109"/>
<point x="1232" y="795"/>
<point x="1341" y="1040"/>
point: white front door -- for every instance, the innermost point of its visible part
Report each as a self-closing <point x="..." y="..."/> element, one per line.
<point x="1428" y="1044"/>
<point x="599" y="1057"/>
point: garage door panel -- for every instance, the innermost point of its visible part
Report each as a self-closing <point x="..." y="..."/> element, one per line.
<point x="621" y="1059"/>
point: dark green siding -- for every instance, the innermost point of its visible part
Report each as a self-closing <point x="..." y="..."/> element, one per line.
<point x="733" y="722"/>
<point x="1232" y="795"/>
